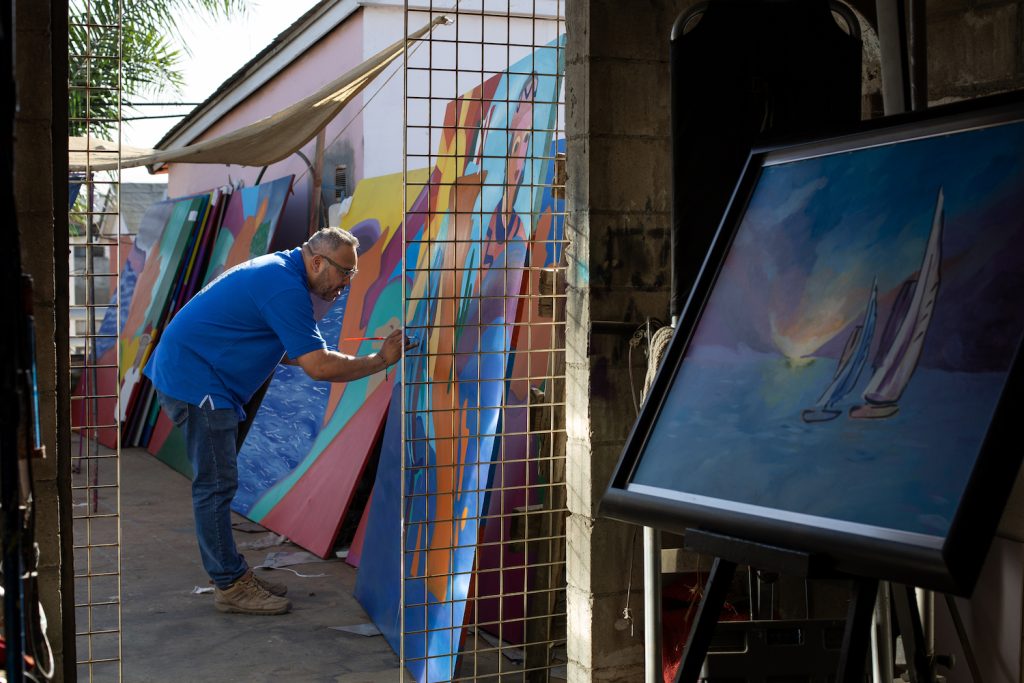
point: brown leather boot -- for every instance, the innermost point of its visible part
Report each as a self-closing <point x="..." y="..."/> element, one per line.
<point x="275" y="587"/>
<point x="247" y="596"/>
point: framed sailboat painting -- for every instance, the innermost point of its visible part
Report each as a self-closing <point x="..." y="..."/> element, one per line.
<point x="845" y="380"/>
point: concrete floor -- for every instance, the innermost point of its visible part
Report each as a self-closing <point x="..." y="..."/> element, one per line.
<point x="170" y="634"/>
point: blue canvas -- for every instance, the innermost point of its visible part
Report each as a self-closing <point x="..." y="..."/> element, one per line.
<point x="379" y="578"/>
<point x="288" y="421"/>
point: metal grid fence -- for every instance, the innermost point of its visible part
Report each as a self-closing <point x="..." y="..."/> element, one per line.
<point x="483" y="493"/>
<point x="94" y="93"/>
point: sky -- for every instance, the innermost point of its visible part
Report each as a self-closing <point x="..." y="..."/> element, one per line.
<point x="219" y="48"/>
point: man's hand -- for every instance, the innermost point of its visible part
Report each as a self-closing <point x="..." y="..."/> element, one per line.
<point x="332" y="366"/>
<point x="391" y="349"/>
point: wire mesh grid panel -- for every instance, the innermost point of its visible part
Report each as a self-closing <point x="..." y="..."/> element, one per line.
<point x="94" y="242"/>
<point x="482" y="493"/>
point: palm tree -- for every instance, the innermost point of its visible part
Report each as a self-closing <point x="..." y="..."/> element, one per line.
<point x="148" y="44"/>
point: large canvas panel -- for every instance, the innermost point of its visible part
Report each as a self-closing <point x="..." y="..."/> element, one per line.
<point x="518" y="489"/>
<point x="139" y="419"/>
<point x="249" y="225"/>
<point x="463" y="265"/>
<point x="380" y="564"/>
<point x="245" y="227"/>
<point x="299" y="478"/>
<point x="153" y="293"/>
<point x="103" y="380"/>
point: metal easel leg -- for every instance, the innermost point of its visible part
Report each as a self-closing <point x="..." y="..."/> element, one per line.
<point x="926" y="608"/>
<point x="965" y="643"/>
<point x="858" y="631"/>
<point x="652" y="606"/>
<point x="919" y="665"/>
<point x="703" y="627"/>
<point x="881" y="637"/>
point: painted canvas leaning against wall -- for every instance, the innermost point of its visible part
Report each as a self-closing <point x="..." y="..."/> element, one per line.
<point x="841" y="374"/>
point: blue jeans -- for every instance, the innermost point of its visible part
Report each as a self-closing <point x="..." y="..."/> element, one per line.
<point x="210" y="439"/>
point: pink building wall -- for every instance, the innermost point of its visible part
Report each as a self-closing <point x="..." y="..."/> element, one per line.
<point x="330" y="57"/>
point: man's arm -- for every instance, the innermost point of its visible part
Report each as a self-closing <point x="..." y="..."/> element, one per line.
<point x="332" y="366"/>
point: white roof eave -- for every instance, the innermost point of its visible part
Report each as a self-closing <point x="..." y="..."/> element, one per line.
<point x="315" y="28"/>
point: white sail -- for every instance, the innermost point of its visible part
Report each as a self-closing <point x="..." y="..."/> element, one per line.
<point x="851" y="362"/>
<point x="900" y="361"/>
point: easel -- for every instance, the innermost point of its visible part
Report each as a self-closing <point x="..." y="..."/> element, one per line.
<point x="730" y="552"/>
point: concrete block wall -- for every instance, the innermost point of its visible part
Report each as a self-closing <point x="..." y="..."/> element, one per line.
<point x="617" y="125"/>
<point x="40" y="186"/>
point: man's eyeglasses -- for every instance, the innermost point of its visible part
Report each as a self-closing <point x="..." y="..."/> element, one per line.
<point x="347" y="272"/>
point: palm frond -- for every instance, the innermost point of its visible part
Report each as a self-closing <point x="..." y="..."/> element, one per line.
<point x="143" y="57"/>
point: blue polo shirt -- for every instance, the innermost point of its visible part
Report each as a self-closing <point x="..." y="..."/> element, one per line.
<point x="229" y="337"/>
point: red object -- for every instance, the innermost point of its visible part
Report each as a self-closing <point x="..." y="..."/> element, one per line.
<point x="679" y="602"/>
<point x="30" y="661"/>
<point x="355" y="551"/>
<point x="312" y="510"/>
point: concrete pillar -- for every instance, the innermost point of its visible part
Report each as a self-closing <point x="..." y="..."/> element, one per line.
<point x="617" y="126"/>
<point x="40" y="189"/>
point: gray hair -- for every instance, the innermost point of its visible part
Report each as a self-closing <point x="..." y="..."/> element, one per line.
<point x="332" y="238"/>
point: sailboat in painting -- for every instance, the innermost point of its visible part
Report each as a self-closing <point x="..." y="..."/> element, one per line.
<point x="897" y="366"/>
<point x="851" y="362"/>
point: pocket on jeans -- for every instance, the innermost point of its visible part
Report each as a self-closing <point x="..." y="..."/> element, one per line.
<point x="175" y="409"/>
<point x="221" y="418"/>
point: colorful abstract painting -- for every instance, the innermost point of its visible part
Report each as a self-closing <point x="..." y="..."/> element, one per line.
<point x="465" y="269"/>
<point x="243" y="225"/>
<point x="104" y="379"/>
<point x="248" y="226"/>
<point x="152" y="306"/>
<point x="138" y="399"/>
<point x="522" y="469"/>
<point x="309" y="443"/>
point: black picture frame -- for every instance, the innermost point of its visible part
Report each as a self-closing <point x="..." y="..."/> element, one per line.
<point x="664" y="479"/>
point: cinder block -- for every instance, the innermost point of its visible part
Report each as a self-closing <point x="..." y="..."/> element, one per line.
<point x="577" y="181"/>
<point x="34" y="79"/>
<point x="629" y="254"/>
<point x="630" y="174"/>
<point x="32" y="16"/>
<point x="577" y="106"/>
<point x="969" y="50"/>
<point x="633" y="30"/>
<point x="579" y="491"/>
<point x="936" y="8"/>
<point x="629" y="96"/>
<point x="47" y="525"/>
<point x="579" y="619"/>
<point x="605" y="652"/>
<point x="577" y="15"/>
<point x="599" y="555"/>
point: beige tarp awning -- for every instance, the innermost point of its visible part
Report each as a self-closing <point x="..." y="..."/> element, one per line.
<point x="259" y="144"/>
